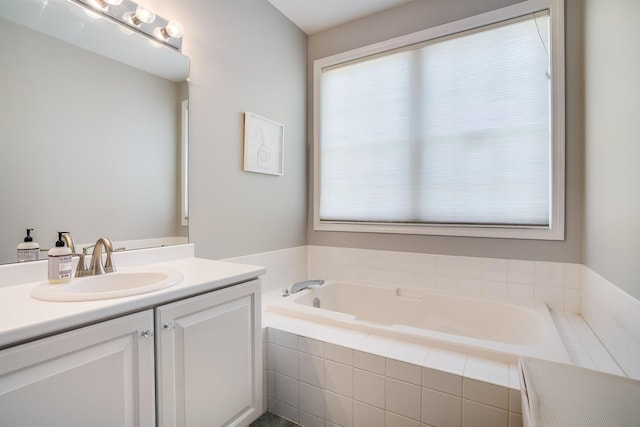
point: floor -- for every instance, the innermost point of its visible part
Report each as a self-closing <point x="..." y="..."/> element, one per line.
<point x="270" y="420"/>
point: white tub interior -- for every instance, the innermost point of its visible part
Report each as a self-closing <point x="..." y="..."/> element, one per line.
<point x="498" y="330"/>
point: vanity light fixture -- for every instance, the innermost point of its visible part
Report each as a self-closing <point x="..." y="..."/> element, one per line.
<point x="140" y="18"/>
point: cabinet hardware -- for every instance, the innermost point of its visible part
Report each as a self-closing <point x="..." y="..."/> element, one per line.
<point x="146" y="333"/>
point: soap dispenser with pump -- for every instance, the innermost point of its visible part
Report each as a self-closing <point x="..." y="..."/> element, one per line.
<point x="60" y="262"/>
<point x="28" y="250"/>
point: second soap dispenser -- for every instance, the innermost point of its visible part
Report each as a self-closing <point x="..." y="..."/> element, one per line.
<point x="59" y="262"/>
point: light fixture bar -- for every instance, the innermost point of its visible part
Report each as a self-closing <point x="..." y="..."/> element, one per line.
<point x="140" y="18"/>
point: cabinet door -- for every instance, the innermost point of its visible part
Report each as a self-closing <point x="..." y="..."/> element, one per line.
<point x="99" y="375"/>
<point x="209" y="357"/>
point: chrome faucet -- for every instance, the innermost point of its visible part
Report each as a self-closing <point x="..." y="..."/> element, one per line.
<point x="96" y="267"/>
<point x="297" y="287"/>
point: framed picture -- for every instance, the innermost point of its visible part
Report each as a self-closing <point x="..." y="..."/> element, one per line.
<point x="263" y="145"/>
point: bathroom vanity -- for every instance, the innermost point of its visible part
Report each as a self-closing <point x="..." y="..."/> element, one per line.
<point x="190" y="354"/>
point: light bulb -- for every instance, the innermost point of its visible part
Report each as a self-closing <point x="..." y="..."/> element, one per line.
<point x="103" y="5"/>
<point x="144" y="14"/>
<point x="174" y="29"/>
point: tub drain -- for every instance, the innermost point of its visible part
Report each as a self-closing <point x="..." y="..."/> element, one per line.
<point x="316" y="302"/>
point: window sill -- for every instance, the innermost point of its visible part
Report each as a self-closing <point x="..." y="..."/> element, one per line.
<point x="499" y="232"/>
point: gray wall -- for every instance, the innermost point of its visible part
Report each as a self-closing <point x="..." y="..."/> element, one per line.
<point x="612" y="123"/>
<point x="244" y="56"/>
<point x="87" y="145"/>
<point x="419" y="15"/>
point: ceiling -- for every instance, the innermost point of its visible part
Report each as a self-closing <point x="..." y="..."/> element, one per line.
<point x="313" y="16"/>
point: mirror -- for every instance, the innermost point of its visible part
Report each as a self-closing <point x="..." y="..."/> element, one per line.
<point x="92" y="129"/>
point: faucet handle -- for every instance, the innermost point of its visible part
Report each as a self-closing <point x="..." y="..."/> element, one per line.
<point x="109" y="266"/>
<point x="81" y="268"/>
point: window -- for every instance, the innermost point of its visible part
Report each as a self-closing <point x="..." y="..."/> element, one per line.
<point x="456" y="130"/>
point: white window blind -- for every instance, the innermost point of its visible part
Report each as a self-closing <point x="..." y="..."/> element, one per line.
<point x="456" y="130"/>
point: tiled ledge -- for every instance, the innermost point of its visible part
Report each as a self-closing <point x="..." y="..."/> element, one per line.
<point x="584" y="347"/>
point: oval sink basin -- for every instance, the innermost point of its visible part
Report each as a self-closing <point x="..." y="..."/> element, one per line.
<point x="133" y="281"/>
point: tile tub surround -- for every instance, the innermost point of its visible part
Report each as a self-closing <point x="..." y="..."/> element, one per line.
<point x="571" y="289"/>
<point x="369" y="382"/>
<point x="556" y="284"/>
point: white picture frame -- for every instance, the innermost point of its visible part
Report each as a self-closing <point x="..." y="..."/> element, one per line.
<point x="263" y="145"/>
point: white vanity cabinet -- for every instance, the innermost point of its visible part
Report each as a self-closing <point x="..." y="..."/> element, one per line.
<point x="209" y="368"/>
<point x="98" y="375"/>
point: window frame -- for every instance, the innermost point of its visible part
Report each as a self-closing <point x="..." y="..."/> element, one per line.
<point x="555" y="230"/>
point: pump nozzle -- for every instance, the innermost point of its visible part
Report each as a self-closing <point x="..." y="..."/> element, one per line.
<point x="60" y="242"/>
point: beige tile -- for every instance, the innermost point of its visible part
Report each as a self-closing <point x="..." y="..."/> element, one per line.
<point x="522" y="272"/>
<point x="311" y="369"/>
<point x="494" y="270"/>
<point x="311" y="346"/>
<point x="338" y="409"/>
<point x="488" y="394"/>
<point x="515" y="401"/>
<point x="446" y="265"/>
<point x="479" y="415"/>
<point x="470" y="267"/>
<point x="338" y="378"/>
<point x="396" y="420"/>
<point x="549" y="273"/>
<point x="287" y="362"/>
<point x="286" y="339"/>
<point x="311" y="399"/>
<point x="285" y="411"/>
<point x="367" y="416"/>
<point x="338" y="353"/>
<point x="369" y="388"/>
<point x="287" y="390"/>
<point x="404" y="371"/>
<point x="271" y="357"/>
<point x="442" y="381"/>
<point x="440" y="409"/>
<point x="403" y="399"/>
<point x="369" y="362"/>
<point x="308" y="420"/>
<point x="515" y="420"/>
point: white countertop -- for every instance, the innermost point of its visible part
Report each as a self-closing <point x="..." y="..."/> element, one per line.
<point x="24" y="318"/>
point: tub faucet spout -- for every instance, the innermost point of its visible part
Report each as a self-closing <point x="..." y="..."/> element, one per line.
<point x="297" y="287"/>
